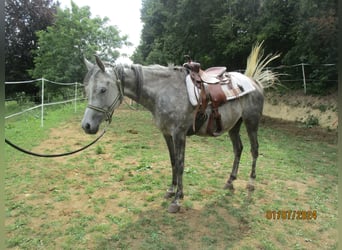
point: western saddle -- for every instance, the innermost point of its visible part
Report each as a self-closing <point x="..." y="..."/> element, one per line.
<point x="209" y="83"/>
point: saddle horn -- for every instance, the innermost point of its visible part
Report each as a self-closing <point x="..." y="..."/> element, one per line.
<point x="188" y="58"/>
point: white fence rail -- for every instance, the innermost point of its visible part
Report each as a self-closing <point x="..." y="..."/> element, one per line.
<point x="304" y="79"/>
<point x="43" y="104"/>
<point x="302" y="70"/>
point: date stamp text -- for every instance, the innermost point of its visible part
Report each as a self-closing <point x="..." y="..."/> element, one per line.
<point x="291" y="214"/>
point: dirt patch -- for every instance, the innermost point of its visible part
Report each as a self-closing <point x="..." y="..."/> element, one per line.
<point x="66" y="138"/>
<point x="297" y="129"/>
<point x="297" y="107"/>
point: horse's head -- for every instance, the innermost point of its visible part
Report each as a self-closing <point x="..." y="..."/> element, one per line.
<point x="105" y="93"/>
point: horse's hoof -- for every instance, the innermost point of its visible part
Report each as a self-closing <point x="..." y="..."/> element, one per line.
<point x="169" y="195"/>
<point x="229" y="186"/>
<point x="174" y="208"/>
<point x="250" y="187"/>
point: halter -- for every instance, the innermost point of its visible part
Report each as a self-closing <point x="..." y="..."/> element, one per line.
<point x="110" y="110"/>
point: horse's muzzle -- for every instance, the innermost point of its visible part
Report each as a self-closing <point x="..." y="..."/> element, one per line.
<point x="89" y="129"/>
<point x="91" y="121"/>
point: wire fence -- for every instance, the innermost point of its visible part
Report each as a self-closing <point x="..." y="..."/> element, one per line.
<point x="306" y="75"/>
<point x="43" y="82"/>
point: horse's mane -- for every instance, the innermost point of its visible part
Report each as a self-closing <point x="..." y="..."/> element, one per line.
<point x="140" y="79"/>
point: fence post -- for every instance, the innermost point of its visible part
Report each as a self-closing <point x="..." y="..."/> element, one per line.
<point x="304" y="81"/>
<point x="75" y="109"/>
<point x="42" y="105"/>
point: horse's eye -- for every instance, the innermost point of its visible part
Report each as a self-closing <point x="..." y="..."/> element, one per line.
<point x="103" y="90"/>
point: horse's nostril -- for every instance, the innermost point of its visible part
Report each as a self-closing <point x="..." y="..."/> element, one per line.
<point x="87" y="126"/>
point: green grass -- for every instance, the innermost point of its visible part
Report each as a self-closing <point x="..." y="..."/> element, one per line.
<point x="111" y="195"/>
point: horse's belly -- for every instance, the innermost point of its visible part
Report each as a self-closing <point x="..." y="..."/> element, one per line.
<point x="230" y="113"/>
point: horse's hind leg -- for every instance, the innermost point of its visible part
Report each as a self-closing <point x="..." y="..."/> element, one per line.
<point x="252" y="130"/>
<point x="234" y="135"/>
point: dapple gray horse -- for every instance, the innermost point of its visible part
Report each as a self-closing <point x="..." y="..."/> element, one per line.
<point x="163" y="92"/>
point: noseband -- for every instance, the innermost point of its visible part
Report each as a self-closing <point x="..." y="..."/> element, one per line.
<point x="119" y="98"/>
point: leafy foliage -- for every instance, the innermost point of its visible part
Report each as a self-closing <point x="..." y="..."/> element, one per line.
<point x="222" y="32"/>
<point x="74" y="35"/>
<point x="23" y="18"/>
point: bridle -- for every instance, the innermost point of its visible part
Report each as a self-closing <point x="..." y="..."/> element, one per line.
<point x="118" y="99"/>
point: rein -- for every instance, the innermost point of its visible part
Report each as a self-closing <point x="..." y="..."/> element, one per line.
<point x="54" y="155"/>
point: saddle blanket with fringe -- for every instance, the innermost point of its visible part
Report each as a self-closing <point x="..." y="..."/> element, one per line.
<point x="240" y="86"/>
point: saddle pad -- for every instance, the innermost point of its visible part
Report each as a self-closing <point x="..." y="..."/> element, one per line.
<point x="239" y="81"/>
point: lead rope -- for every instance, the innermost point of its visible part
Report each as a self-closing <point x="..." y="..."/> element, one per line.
<point x="54" y="155"/>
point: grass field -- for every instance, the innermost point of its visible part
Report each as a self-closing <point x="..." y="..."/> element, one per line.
<point x="111" y="195"/>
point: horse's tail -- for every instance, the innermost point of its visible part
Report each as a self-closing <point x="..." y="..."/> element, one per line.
<point x="256" y="67"/>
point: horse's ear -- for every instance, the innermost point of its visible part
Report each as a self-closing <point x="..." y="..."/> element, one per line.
<point x="88" y="64"/>
<point x="100" y="63"/>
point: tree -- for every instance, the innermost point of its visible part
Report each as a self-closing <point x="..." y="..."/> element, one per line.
<point x="74" y="35"/>
<point x="235" y="32"/>
<point x="23" y="18"/>
<point x="173" y="28"/>
<point x="315" y="43"/>
<point x="222" y="32"/>
<point x="154" y="15"/>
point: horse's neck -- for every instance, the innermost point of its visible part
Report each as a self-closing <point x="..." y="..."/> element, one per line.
<point x="137" y="89"/>
<point x="146" y="89"/>
<point x="130" y="84"/>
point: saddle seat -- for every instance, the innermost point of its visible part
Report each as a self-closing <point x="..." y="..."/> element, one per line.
<point x="212" y="75"/>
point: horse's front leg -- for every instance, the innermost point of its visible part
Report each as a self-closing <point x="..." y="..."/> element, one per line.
<point x="172" y="190"/>
<point x="178" y="169"/>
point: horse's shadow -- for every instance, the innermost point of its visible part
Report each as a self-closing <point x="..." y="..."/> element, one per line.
<point x="218" y="224"/>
